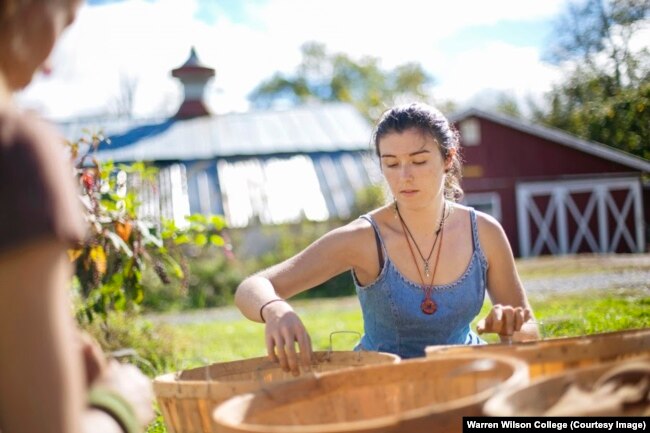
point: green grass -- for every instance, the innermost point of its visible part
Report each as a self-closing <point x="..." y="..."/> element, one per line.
<point x="227" y="341"/>
<point x="562" y="316"/>
<point x="593" y="312"/>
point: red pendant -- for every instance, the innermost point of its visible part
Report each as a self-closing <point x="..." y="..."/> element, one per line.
<point x="428" y="306"/>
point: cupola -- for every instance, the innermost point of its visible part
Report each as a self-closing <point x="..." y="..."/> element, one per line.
<point x="194" y="77"/>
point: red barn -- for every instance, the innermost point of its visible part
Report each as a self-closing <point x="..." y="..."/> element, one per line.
<point x="554" y="193"/>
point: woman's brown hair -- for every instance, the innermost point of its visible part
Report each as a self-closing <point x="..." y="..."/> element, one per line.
<point x="431" y="121"/>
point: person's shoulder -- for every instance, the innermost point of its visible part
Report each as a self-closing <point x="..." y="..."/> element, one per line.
<point x="28" y="134"/>
<point x="486" y="221"/>
<point x="490" y="232"/>
<point x="32" y="155"/>
<point x="488" y="226"/>
<point x="355" y="229"/>
<point x="31" y="145"/>
<point x="359" y="231"/>
<point x="36" y="177"/>
<point x="362" y="225"/>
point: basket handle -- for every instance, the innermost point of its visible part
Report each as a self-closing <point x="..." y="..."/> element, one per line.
<point x="206" y="367"/>
<point x="329" y="350"/>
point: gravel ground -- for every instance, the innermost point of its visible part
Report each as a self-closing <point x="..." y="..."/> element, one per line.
<point x="587" y="274"/>
<point x="627" y="279"/>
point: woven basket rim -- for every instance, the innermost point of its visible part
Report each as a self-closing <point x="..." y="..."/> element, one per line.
<point x="174" y="377"/>
<point x="536" y="344"/>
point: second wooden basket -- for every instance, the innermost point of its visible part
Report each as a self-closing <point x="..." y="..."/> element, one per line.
<point x="552" y="356"/>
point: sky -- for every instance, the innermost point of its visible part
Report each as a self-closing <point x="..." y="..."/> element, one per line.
<point x="473" y="49"/>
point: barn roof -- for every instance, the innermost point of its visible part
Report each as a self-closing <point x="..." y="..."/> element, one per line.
<point x="591" y="147"/>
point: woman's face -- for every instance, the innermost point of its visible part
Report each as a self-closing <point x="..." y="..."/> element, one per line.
<point x="40" y="25"/>
<point x="413" y="167"/>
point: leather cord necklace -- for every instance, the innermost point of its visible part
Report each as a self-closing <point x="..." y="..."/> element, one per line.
<point x="427" y="269"/>
<point x="428" y="305"/>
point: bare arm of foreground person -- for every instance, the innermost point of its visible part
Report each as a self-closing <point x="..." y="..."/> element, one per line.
<point x="511" y="315"/>
<point x="41" y="384"/>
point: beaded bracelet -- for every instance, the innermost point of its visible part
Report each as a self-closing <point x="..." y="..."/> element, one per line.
<point x="270" y="302"/>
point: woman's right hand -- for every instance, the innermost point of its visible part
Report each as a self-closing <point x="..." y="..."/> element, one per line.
<point x="283" y="330"/>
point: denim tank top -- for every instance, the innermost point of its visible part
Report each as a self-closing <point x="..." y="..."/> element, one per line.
<point x="392" y="318"/>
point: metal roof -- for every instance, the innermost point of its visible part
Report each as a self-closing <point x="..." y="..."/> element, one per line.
<point x="313" y="128"/>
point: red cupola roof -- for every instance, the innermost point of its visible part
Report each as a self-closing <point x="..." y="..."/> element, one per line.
<point x="194" y="77"/>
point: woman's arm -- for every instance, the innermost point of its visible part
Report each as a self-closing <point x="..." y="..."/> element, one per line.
<point x="332" y="254"/>
<point x="41" y="380"/>
<point x="511" y="315"/>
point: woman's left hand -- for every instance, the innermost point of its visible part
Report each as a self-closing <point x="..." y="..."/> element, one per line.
<point x="504" y="320"/>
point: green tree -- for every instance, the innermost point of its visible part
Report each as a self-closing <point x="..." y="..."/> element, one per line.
<point x="605" y="96"/>
<point x="325" y="76"/>
<point x="599" y="35"/>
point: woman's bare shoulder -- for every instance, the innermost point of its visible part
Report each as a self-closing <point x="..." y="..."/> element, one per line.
<point x="355" y="230"/>
<point x="492" y="237"/>
<point x="379" y="216"/>
<point x="488" y="224"/>
<point x="359" y="233"/>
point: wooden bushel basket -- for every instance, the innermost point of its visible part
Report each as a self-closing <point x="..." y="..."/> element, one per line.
<point x="556" y="355"/>
<point x="187" y="398"/>
<point x="538" y="397"/>
<point x="414" y="396"/>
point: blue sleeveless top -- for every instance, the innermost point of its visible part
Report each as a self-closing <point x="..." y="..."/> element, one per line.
<point x="392" y="319"/>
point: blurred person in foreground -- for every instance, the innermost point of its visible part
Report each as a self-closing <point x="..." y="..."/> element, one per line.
<point x="53" y="378"/>
<point x="422" y="264"/>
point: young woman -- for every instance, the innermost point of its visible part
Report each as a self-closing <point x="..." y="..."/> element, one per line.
<point x="42" y="379"/>
<point x="421" y="265"/>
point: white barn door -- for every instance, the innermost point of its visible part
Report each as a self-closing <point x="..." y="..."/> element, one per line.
<point x="568" y="217"/>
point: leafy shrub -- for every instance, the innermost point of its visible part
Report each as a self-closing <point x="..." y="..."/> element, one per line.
<point x="154" y="347"/>
<point x="121" y="246"/>
<point x="213" y="278"/>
